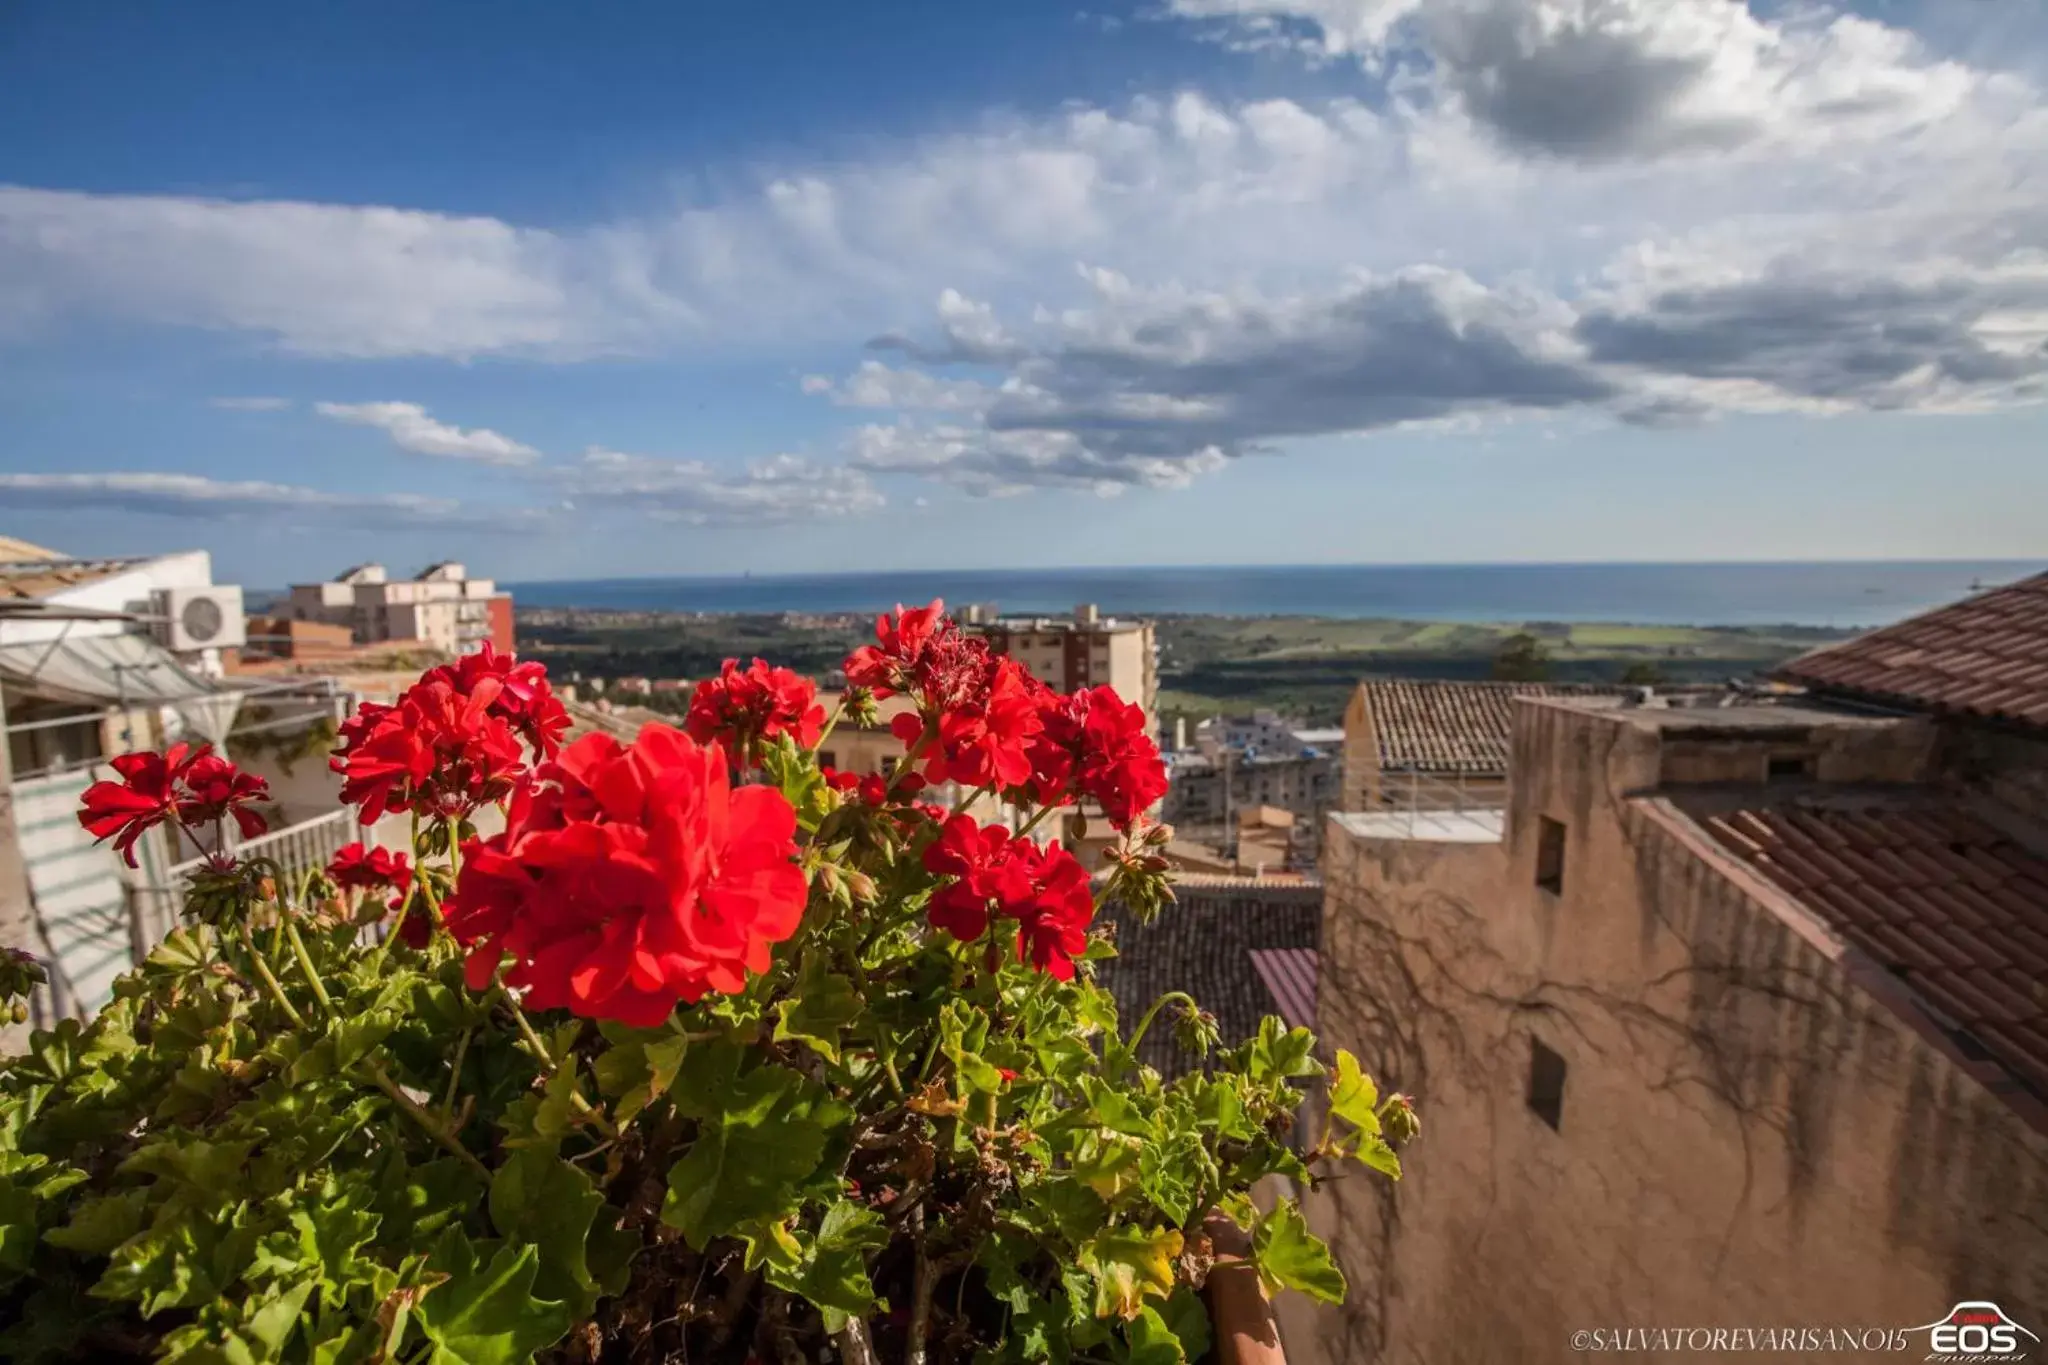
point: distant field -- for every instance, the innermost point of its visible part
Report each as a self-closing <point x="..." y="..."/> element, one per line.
<point x="1304" y="665"/>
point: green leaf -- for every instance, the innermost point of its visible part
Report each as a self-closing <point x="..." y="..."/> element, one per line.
<point x="101" y="1223"/>
<point x="753" y="1157"/>
<point x="1187" y="1317"/>
<point x="537" y="1197"/>
<point x="1289" y="1256"/>
<point x="1149" y="1341"/>
<point x="17" y="1230"/>
<point x="1172" y="1173"/>
<point x="1353" y="1096"/>
<point x="1280" y="1053"/>
<point x="834" y="1273"/>
<point x="487" y="1315"/>
<point x="963" y="1032"/>
<point x="1130" y="1264"/>
<point x="818" y="1013"/>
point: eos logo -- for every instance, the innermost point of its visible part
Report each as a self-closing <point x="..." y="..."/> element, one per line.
<point x="1978" y="1331"/>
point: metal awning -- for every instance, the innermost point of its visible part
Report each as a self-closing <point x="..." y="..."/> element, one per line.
<point x="124" y="670"/>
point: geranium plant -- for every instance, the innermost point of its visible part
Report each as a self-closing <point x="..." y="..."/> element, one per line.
<point x="709" y="1054"/>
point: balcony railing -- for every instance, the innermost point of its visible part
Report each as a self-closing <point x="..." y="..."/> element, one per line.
<point x="296" y="849"/>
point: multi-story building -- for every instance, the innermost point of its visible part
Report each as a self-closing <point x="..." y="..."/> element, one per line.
<point x="1723" y="1015"/>
<point x="441" y="608"/>
<point x="1240" y="763"/>
<point x="1089" y="650"/>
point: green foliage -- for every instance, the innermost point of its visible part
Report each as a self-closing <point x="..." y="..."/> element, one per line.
<point x="279" y="1144"/>
<point x="1521" y="658"/>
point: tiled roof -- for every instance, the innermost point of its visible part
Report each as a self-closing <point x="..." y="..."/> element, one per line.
<point x="1202" y="944"/>
<point x="1453" y="727"/>
<point x="1290" y="977"/>
<point x="29" y="579"/>
<point x="1984" y="656"/>
<point x="1950" y="904"/>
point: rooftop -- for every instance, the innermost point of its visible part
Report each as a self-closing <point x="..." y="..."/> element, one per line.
<point x="1949" y="900"/>
<point x="1452" y="727"/>
<point x="29" y="579"/>
<point x="12" y="550"/>
<point x="1428" y="826"/>
<point x="1986" y="656"/>
<point x="1760" y="718"/>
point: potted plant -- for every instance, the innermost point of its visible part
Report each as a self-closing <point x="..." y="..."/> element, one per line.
<point x="712" y="1054"/>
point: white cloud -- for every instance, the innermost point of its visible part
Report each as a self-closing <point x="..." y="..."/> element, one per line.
<point x="410" y="428"/>
<point x="780" y="490"/>
<point x="875" y="385"/>
<point x="250" y="404"/>
<point x="1545" y="206"/>
<point x="193" y="495"/>
<point x="1610" y="78"/>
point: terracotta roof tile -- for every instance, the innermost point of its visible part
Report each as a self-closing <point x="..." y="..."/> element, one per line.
<point x="1453" y="727"/>
<point x="1984" y="656"/>
<point x="1952" y="905"/>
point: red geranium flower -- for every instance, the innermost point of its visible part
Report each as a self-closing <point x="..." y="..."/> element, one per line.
<point x="741" y="707"/>
<point x="184" y="785"/>
<point x="525" y="699"/>
<point x="1044" y="889"/>
<point x="452" y="743"/>
<point x="894" y="663"/>
<point x="218" y="789"/>
<point x="629" y="879"/>
<point x="355" y="867"/>
<point x="1093" y="743"/>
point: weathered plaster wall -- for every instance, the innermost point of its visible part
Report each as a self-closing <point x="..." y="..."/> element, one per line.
<point x="1746" y="1137"/>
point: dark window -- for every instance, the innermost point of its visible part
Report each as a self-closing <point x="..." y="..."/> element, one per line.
<point x="1788" y="766"/>
<point x="1550" y="855"/>
<point x="888" y="764"/>
<point x="828" y="758"/>
<point x="1546" y="1083"/>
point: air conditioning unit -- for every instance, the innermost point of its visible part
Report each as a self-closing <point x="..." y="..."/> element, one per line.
<point x="201" y="618"/>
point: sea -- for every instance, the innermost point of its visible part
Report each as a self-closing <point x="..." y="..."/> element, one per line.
<point x="1841" y="594"/>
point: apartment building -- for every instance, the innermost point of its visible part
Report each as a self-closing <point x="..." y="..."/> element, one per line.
<point x="1087" y="650"/>
<point x="1721" y="1014"/>
<point x="441" y="608"/>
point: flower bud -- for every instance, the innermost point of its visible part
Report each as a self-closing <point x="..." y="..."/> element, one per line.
<point x="1398" y="1120"/>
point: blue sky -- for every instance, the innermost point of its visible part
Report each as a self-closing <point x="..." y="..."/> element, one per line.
<point x="658" y="289"/>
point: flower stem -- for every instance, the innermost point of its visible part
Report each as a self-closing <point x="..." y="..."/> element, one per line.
<point x="540" y="1052"/>
<point x="434" y="1127"/>
<point x="969" y="799"/>
<point x="1152" y="1013"/>
<point x="291" y="933"/>
<point x="1032" y="823"/>
<point x="270" y="980"/>
<point x="831" y="724"/>
<point x="455" y="1071"/>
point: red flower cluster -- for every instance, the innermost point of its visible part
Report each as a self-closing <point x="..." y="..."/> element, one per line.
<point x="628" y="879"/>
<point x="983" y="721"/>
<point x="185" y="785"/>
<point x="1093" y="743"/>
<point x="452" y="743"/>
<point x="377" y="870"/>
<point x="371" y="869"/>
<point x="977" y="710"/>
<point x="1043" y="888"/>
<point x="896" y="662"/>
<point x="741" y="707"/>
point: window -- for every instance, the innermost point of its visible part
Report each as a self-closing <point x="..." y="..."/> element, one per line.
<point x="1550" y="855"/>
<point x="1546" y="1084"/>
<point x="1785" y="767"/>
<point x="888" y="764"/>
<point x="828" y="758"/>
